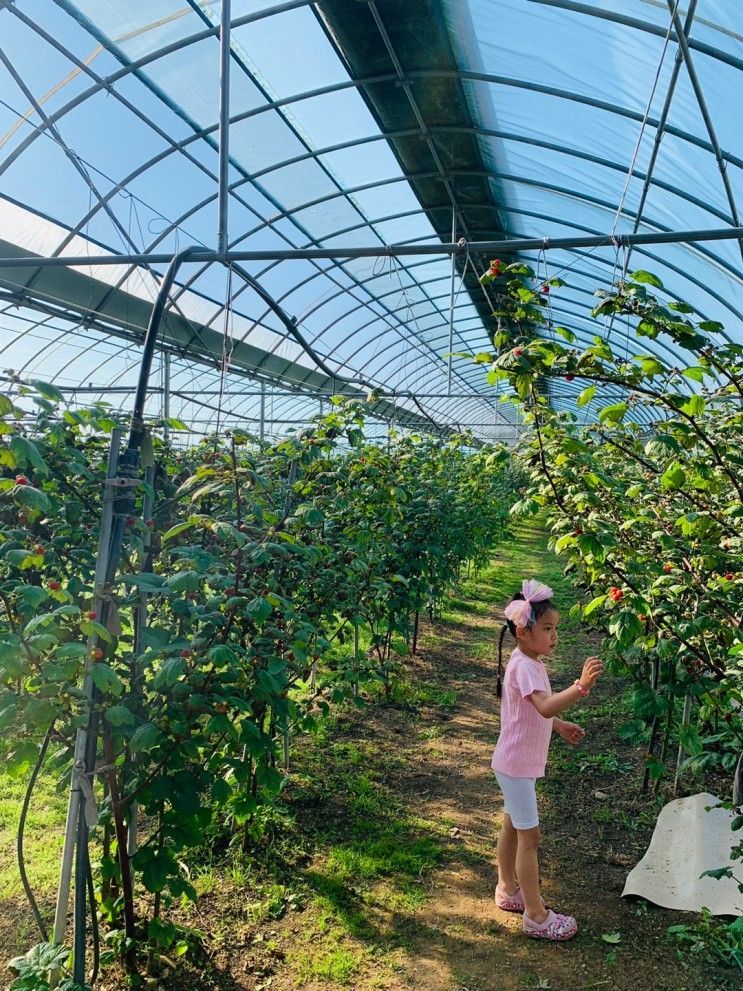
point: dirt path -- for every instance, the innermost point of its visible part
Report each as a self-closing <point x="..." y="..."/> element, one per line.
<point x="462" y="941"/>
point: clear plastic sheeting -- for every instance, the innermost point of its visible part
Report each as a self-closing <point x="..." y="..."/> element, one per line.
<point x="109" y="115"/>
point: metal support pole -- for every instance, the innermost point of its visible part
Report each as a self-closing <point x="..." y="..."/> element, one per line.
<point x="140" y="625"/>
<point x="262" y="422"/>
<point x="77" y="799"/>
<point x="659" y="131"/>
<point x="451" y="297"/>
<point x="166" y="396"/>
<point x="685" y="720"/>
<point x="507" y="246"/>
<point x="224" y="126"/>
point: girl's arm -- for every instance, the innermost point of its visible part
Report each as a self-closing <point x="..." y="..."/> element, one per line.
<point x="550" y="705"/>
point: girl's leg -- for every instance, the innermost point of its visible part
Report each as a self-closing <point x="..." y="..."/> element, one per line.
<point x="507" y="845"/>
<point x="527" y="868"/>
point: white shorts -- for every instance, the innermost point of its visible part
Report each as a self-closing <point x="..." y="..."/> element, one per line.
<point x="519" y="800"/>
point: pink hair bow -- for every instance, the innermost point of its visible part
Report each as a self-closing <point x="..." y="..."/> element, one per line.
<point x="520" y="611"/>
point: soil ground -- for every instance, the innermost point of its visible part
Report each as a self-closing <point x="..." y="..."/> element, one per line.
<point x="381" y="874"/>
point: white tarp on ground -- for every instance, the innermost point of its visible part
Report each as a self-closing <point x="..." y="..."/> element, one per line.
<point x="687" y="841"/>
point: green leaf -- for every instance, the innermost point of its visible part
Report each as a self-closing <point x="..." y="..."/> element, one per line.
<point x="673" y="477"/>
<point x="71" y="651"/>
<point x="47" y="390"/>
<point x="33" y="595"/>
<point x="594" y="604"/>
<point x="145" y="581"/>
<point x="119" y="715"/>
<point x="27" y="495"/>
<point x="175" y="530"/>
<point x="184" y="581"/>
<point x="652" y="367"/>
<point x="646" y="277"/>
<point x="26" y="454"/>
<point x="92" y="628"/>
<point x="626" y="628"/>
<point x="612" y="938"/>
<point x="105" y="679"/>
<point x="614" y="413"/>
<point x="717" y="873"/>
<point x="694" y="406"/>
<point x="711" y="326"/>
<point x="144" y="738"/>
<point x="45" y="619"/>
<point x="695" y="372"/>
<point x="259" y="609"/>
<point x="170" y="671"/>
<point x="566" y="540"/>
<point x="158" y="867"/>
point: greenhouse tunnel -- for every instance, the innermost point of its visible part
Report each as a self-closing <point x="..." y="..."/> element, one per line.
<point x="508" y="229"/>
<point x="350" y="127"/>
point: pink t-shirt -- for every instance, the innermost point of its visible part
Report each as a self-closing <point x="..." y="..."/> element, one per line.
<point x="524" y="740"/>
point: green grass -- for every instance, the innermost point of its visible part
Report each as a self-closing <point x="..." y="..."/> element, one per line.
<point x="338" y="964"/>
<point x="43" y="835"/>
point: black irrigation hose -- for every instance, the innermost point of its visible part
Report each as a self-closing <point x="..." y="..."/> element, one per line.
<point x="21" y="830"/>
<point x="93" y="924"/>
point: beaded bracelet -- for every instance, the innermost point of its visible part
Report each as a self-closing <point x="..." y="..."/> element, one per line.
<point x="582" y="688"/>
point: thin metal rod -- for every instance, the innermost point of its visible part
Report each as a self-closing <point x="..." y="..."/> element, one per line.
<point x="279" y="394"/>
<point x="387" y="251"/>
<point x="86" y="742"/>
<point x="166" y="397"/>
<point x="224" y="126"/>
<point x="660" y="130"/>
<point x="262" y="427"/>
<point x="451" y="297"/>
<point x="63" y="891"/>
<point x="697" y="86"/>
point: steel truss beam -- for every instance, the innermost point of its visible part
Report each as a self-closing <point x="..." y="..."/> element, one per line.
<point x="462" y="248"/>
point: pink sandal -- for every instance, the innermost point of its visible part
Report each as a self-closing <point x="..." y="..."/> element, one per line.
<point x="509" y="903"/>
<point x="554" y="927"/>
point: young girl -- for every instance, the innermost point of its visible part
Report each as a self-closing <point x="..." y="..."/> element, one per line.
<point x="528" y="718"/>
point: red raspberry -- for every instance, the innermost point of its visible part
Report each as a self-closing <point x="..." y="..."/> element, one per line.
<point x="54" y="585"/>
<point x="21" y="480"/>
<point x="569" y="377"/>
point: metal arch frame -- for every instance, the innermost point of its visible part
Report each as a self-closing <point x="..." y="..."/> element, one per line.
<point x="624" y="19"/>
<point x="367" y="225"/>
<point x="291" y="99"/>
<point x="602" y="204"/>
<point x="607" y="206"/>
<point x="274" y="103"/>
<point x="134" y="67"/>
<point x="107" y="83"/>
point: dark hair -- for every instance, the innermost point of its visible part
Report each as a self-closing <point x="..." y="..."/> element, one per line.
<point x="538" y="610"/>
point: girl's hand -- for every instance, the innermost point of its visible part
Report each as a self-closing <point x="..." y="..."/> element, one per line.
<point x="591" y="671"/>
<point x="571" y="732"/>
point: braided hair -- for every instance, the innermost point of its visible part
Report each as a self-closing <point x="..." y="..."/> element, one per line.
<point x="538" y="610"/>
